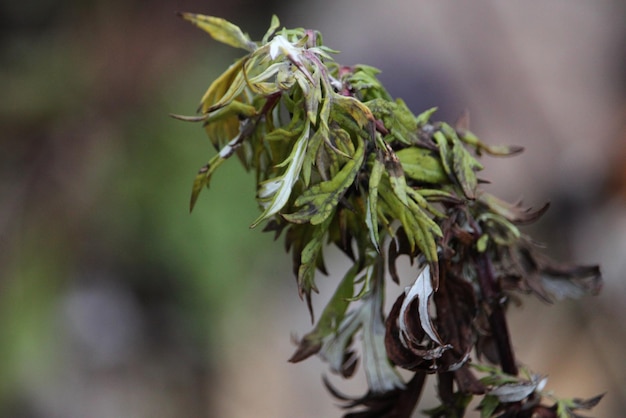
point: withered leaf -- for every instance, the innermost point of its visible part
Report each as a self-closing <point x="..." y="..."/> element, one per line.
<point x="512" y="212"/>
<point x="531" y="271"/>
<point x="518" y="391"/>
<point x="415" y="357"/>
<point x="398" y="403"/>
<point x="421" y="292"/>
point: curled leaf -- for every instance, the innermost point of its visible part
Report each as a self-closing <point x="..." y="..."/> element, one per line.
<point x="397" y="403"/>
<point x="518" y="391"/>
<point x="530" y="271"/>
<point x="421" y="291"/>
<point x="512" y="212"/>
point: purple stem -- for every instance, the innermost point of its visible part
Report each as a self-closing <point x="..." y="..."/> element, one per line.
<point x="491" y="293"/>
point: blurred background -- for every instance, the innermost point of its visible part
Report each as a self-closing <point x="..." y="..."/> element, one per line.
<point x="115" y="302"/>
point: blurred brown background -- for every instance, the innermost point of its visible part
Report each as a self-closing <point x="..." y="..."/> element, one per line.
<point x="115" y="302"/>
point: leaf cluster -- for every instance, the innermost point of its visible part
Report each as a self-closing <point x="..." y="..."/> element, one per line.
<point x="339" y="162"/>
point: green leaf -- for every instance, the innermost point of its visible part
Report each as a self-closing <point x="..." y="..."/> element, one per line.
<point x="204" y="174"/>
<point x="358" y="111"/>
<point x="424" y="232"/>
<point x="464" y="167"/>
<point x="397" y="118"/>
<point x="259" y="85"/>
<point x="396" y="174"/>
<point x="199" y="184"/>
<point x="421" y="165"/>
<point x="311" y="91"/>
<point x="423" y="118"/>
<point x="371" y="264"/>
<point x="234" y="91"/>
<point x="562" y="411"/>
<point x="381" y="375"/>
<point x="496" y="150"/>
<point x="220" y="86"/>
<point x="321" y="136"/>
<point x="418" y="196"/>
<point x="363" y="80"/>
<point x="320" y="201"/>
<point x="315" y="142"/>
<point x="444" y="152"/>
<point x="488" y="406"/>
<point x="274" y="193"/>
<point x="221" y="30"/>
<point x="457" y="161"/>
<point x="327" y="104"/>
<point x="371" y="218"/>
<point x="419" y="228"/>
<point x="481" y="243"/>
<point x="274" y="24"/>
<point x="309" y="257"/>
<point x="340" y="142"/>
<point x="330" y="319"/>
<point x="224" y="124"/>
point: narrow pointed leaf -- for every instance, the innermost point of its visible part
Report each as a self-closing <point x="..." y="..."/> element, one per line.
<point x="444" y="153"/>
<point x="220" y="86"/>
<point x="320" y="201"/>
<point x="496" y="150"/>
<point x="204" y="174"/>
<point x="396" y="175"/>
<point x="221" y="30"/>
<point x="274" y="24"/>
<point x="330" y="319"/>
<point x="371" y="218"/>
<point x="311" y="253"/>
<point x="198" y="184"/>
<point x="274" y="193"/>
<point x="424" y="117"/>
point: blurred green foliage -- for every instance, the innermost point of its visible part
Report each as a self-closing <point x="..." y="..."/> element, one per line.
<point x="93" y="177"/>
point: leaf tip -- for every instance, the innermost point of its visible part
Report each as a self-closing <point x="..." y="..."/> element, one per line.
<point x="305" y="350"/>
<point x="185" y="15"/>
<point x="193" y="200"/>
